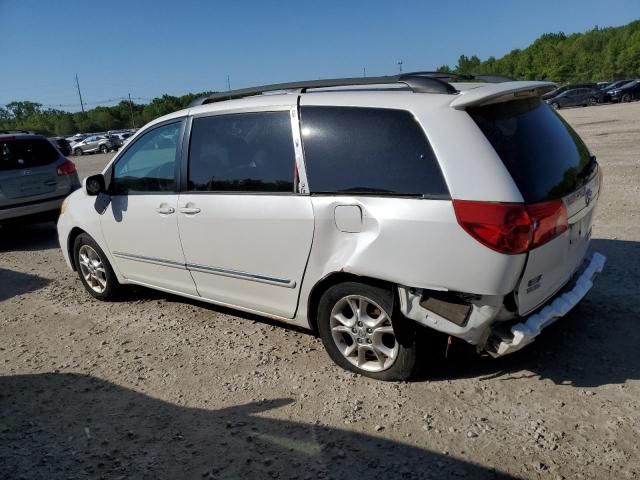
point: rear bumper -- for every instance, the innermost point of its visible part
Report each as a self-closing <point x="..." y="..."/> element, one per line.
<point x="525" y="332"/>
<point x="28" y="209"/>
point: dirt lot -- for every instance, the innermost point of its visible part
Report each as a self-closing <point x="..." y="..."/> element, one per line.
<point x="158" y="387"/>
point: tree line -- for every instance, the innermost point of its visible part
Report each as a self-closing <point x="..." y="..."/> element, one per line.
<point x="31" y="116"/>
<point x="600" y="54"/>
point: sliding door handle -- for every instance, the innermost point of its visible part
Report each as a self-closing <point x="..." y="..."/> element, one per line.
<point x="189" y="210"/>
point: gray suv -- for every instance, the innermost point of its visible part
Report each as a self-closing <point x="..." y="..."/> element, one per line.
<point x="34" y="178"/>
<point x="93" y="144"/>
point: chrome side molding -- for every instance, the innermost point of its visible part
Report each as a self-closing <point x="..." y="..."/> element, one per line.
<point x="256" y="277"/>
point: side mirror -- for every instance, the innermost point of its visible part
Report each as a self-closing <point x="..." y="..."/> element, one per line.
<point x="94" y="185"/>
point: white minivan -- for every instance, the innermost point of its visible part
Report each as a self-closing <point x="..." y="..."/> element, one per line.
<point x="363" y="209"/>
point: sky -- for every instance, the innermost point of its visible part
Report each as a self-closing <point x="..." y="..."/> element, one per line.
<point x="147" y="48"/>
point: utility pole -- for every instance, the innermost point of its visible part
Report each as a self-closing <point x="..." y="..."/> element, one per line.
<point x="133" y="123"/>
<point x="364" y="71"/>
<point x="400" y="65"/>
<point x="79" y="94"/>
<point x="228" y="83"/>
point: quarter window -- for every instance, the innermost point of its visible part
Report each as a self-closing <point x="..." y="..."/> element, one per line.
<point x="248" y="152"/>
<point x="149" y="165"/>
<point x="369" y="151"/>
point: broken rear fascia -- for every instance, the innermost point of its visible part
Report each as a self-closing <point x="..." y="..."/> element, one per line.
<point x="484" y="311"/>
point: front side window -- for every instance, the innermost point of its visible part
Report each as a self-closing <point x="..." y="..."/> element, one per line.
<point x="246" y="152"/>
<point x="149" y="165"/>
<point x="369" y="151"/>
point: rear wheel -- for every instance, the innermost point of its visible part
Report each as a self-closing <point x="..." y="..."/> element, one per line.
<point x="360" y="332"/>
<point x="593" y="101"/>
<point x="94" y="269"/>
<point x="104" y="149"/>
<point x="77" y="152"/>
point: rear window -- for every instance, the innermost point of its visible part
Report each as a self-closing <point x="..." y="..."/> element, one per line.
<point x="369" y="151"/>
<point x="544" y="155"/>
<point x="17" y="153"/>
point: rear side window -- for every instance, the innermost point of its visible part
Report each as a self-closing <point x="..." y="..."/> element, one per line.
<point x="18" y="153"/>
<point x="247" y="152"/>
<point x="544" y="155"/>
<point x="368" y="151"/>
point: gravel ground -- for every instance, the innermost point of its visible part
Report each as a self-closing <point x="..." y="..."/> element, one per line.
<point x="156" y="386"/>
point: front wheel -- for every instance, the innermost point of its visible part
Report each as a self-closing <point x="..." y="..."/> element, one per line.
<point x="360" y="332"/>
<point x="626" y="98"/>
<point x="94" y="269"/>
<point x="593" y="101"/>
<point x="556" y="105"/>
<point x="77" y="152"/>
<point x="104" y="149"/>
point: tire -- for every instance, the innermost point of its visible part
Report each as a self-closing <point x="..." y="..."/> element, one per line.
<point x="385" y="350"/>
<point x="94" y="269"/>
<point x="77" y="152"/>
<point x="556" y="105"/>
<point x="104" y="149"/>
<point x="626" y="98"/>
<point x="593" y="101"/>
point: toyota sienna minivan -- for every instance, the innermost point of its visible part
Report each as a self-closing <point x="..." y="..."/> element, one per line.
<point x="363" y="209"/>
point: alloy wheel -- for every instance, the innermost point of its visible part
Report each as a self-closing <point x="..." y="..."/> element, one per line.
<point x="92" y="269"/>
<point x="363" y="333"/>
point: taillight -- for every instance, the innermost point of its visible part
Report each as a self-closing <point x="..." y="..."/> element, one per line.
<point x="66" y="168"/>
<point x="549" y="220"/>
<point x="503" y="227"/>
<point x="512" y="228"/>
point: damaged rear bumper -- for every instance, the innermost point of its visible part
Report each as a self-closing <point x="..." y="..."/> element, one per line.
<point x="521" y="334"/>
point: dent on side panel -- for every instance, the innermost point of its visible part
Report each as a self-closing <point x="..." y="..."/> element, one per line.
<point x="412" y="242"/>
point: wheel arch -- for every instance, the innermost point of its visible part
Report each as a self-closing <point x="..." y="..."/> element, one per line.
<point x="71" y="240"/>
<point x="336" y="278"/>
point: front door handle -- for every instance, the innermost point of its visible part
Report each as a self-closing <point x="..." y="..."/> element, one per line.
<point x="165" y="209"/>
<point x="189" y="209"/>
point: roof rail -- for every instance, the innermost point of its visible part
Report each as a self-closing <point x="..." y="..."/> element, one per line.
<point x="17" y="131"/>
<point x="417" y="82"/>
<point x="422" y="82"/>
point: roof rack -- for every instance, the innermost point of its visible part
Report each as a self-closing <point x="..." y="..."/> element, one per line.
<point x="16" y="131"/>
<point x="417" y="82"/>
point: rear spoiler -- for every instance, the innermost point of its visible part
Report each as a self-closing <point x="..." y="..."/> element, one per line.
<point x="499" y="92"/>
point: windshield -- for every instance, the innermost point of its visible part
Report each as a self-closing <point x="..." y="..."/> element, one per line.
<point x="544" y="155"/>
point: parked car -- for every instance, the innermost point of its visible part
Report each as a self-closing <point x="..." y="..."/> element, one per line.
<point x="93" y="144"/>
<point x="612" y="86"/>
<point x="120" y="138"/>
<point x="61" y="144"/>
<point x="34" y="178"/>
<point x="626" y="93"/>
<point x="78" y="137"/>
<point x="557" y="91"/>
<point x="353" y="212"/>
<point x="578" y="97"/>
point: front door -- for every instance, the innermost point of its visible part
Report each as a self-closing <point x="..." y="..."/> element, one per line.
<point x="140" y="224"/>
<point x="245" y="230"/>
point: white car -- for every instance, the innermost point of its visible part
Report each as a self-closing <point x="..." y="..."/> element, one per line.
<point x="363" y="209"/>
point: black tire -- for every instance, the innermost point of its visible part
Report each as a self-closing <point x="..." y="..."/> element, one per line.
<point x="556" y="105"/>
<point x="112" y="287"/>
<point x="77" y="152"/>
<point x="626" y="98"/>
<point x="593" y="101"/>
<point x="404" y="331"/>
<point x="104" y="149"/>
